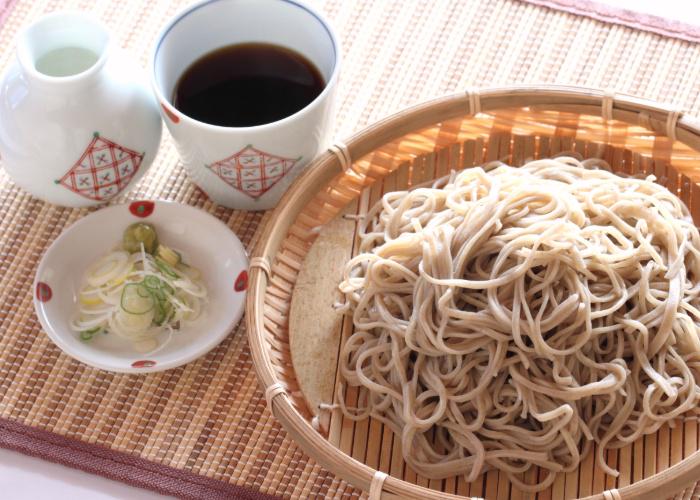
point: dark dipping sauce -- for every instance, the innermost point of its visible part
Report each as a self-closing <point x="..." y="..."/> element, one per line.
<point x="247" y="84"/>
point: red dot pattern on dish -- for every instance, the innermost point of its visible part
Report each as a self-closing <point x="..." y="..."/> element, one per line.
<point x="173" y="117"/>
<point x="241" y="282"/>
<point x="43" y="292"/>
<point x="143" y="363"/>
<point x="142" y="208"/>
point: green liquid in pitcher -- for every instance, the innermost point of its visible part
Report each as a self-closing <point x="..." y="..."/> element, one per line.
<point x="66" y="61"/>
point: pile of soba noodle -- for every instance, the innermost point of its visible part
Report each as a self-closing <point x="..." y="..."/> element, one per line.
<point x="510" y="317"/>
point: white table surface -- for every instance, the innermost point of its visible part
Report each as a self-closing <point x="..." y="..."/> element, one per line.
<point x="28" y="478"/>
<point x="23" y="477"/>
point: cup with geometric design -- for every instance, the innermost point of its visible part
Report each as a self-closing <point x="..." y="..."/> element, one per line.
<point x="248" y="167"/>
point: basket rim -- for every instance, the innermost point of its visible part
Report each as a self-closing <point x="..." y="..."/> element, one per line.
<point x="664" y="120"/>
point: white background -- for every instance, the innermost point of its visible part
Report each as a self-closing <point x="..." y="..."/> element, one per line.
<point x="23" y="477"/>
<point x="27" y="478"/>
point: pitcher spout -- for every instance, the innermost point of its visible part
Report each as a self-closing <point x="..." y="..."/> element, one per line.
<point x="63" y="50"/>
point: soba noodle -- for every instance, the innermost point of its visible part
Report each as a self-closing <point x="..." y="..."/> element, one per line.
<point x="510" y="317"/>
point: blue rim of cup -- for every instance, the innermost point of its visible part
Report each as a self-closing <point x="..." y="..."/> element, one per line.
<point x="165" y="101"/>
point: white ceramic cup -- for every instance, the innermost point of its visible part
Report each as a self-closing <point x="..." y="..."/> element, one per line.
<point x="246" y="167"/>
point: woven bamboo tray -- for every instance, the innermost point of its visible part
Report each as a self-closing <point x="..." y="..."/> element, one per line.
<point x="513" y="124"/>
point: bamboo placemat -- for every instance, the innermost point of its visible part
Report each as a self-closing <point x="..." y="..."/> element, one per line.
<point x="208" y="419"/>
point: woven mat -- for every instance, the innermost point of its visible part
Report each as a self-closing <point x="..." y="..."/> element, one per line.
<point x="208" y="419"/>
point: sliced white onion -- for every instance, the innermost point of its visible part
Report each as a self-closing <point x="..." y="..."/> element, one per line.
<point x="191" y="288"/>
<point x="134" y="324"/>
<point x="106" y="280"/>
<point x="195" y="308"/>
<point x="108" y="267"/>
<point x="80" y="324"/>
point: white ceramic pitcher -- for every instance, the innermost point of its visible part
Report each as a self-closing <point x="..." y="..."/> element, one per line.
<point x="78" y="122"/>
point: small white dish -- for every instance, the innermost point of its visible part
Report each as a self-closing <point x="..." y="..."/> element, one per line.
<point x="207" y="244"/>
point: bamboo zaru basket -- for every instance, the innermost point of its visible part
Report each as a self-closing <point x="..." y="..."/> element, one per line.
<point x="514" y="124"/>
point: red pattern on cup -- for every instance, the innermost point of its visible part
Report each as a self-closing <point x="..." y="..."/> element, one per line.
<point x="173" y="117"/>
<point x="252" y="171"/>
<point x="142" y="208"/>
<point x="241" y="282"/>
<point x="43" y="292"/>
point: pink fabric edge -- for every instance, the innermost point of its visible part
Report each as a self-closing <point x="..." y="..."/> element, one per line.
<point x="625" y="17"/>
<point x="5" y="9"/>
<point x="118" y="466"/>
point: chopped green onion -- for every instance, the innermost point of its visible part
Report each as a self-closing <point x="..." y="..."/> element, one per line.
<point x="143" y="288"/>
<point x="159" y="316"/>
<point x="142" y="292"/>
<point x="165" y="268"/>
<point x="164" y="312"/>
<point x="88" y="334"/>
<point x="152" y="282"/>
